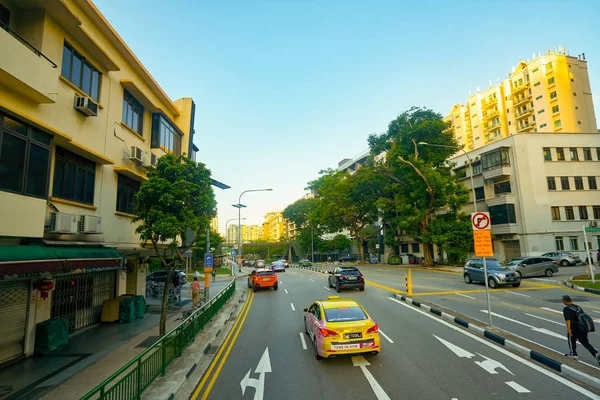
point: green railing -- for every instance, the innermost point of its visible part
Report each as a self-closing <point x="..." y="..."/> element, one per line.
<point x="133" y="378"/>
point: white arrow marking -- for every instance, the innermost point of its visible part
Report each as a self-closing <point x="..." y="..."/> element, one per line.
<point x="293" y="308"/>
<point x="263" y="367"/>
<point x="386" y="336"/>
<point x="359" y="361"/>
<point x="302" y="340"/>
<point x="490" y="365"/>
<point x="517" y="387"/>
<point x="455" y="349"/>
<point x="533" y="328"/>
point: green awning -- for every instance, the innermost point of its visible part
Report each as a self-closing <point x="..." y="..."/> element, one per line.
<point x="36" y="252"/>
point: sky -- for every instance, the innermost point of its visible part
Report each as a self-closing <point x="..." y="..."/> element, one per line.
<point x="285" y="89"/>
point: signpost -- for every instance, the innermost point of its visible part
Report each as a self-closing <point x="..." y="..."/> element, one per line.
<point x="587" y="229"/>
<point x="208" y="266"/>
<point x="482" y="237"/>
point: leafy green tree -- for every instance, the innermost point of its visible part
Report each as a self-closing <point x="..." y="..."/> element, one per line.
<point x="453" y="232"/>
<point x="215" y="239"/>
<point x="341" y="242"/>
<point x="177" y="197"/>
<point x="420" y="185"/>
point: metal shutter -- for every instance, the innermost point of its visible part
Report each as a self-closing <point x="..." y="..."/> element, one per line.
<point x="13" y="314"/>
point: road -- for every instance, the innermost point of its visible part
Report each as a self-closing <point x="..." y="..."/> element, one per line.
<point x="267" y="355"/>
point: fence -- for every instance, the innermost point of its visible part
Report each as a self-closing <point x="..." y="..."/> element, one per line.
<point x="132" y="379"/>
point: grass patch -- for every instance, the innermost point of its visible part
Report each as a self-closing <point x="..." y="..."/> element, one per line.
<point x="585" y="281"/>
<point x="220" y="270"/>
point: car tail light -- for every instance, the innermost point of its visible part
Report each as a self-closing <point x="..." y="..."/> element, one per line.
<point x="360" y="275"/>
<point x="373" y="329"/>
<point x="326" y="332"/>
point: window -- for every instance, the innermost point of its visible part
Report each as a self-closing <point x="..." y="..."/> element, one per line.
<point x="555" y="109"/>
<point x="555" y="213"/>
<point x="539" y="97"/>
<point x="578" y="122"/>
<point x="592" y="183"/>
<point x="503" y="214"/>
<point x="126" y="190"/>
<point x="569" y="213"/>
<point x="549" y="67"/>
<point x="596" y="210"/>
<point x="553" y="95"/>
<point x="133" y="113"/>
<point x="415" y="248"/>
<point x="560" y="245"/>
<point x="598" y="153"/>
<point x="74" y="177"/>
<point x="573" y="153"/>
<point x="573" y="243"/>
<point x="164" y="135"/>
<point x="551" y="183"/>
<point x="551" y="81"/>
<point x="560" y="154"/>
<point x="404" y="248"/>
<point x="578" y="183"/>
<point x="24" y="158"/>
<point x="557" y="123"/>
<point x="461" y="173"/>
<point x="536" y="84"/>
<point x="543" y="125"/>
<point x="80" y="72"/>
<point x="4" y="16"/>
<point x="495" y="159"/>
<point x="574" y="94"/>
<point x="535" y="70"/>
<point x="476" y="168"/>
<point x="587" y="154"/>
<point x="502" y="187"/>
<point x="479" y="193"/>
<point x="564" y="183"/>
<point x="583" y="214"/>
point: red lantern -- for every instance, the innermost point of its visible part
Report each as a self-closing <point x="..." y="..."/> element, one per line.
<point x="44" y="286"/>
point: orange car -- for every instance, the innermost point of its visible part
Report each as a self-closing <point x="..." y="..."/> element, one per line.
<point x="262" y="278"/>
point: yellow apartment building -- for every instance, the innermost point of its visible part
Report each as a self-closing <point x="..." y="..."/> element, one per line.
<point x="551" y="93"/>
<point x="214" y="224"/>
<point x="273" y="226"/>
<point x="81" y="121"/>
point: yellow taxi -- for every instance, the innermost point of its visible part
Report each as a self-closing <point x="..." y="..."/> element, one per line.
<point x="339" y="327"/>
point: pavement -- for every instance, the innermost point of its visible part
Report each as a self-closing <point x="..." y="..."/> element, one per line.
<point x="267" y="355"/>
<point x="92" y="355"/>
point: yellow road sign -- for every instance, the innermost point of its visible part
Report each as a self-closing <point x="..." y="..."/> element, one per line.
<point x="483" y="243"/>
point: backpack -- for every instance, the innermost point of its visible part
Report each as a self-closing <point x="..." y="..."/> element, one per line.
<point x="585" y="323"/>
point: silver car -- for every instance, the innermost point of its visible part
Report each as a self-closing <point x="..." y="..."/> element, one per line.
<point x="533" y="266"/>
<point x="260" y="264"/>
<point x="564" y="259"/>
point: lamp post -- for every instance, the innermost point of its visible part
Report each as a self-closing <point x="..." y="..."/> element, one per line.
<point x="239" y="206"/>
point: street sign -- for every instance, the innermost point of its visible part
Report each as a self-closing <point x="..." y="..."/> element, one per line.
<point x="376" y="245"/>
<point x="480" y="221"/>
<point x="592" y="228"/>
<point x="208" y="260"/>
<point x="483" y="243"/>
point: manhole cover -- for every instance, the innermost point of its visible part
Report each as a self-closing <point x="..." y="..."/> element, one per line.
<point x="575" y="299"/>
<point x="213" y="349"/>
<point x="148" y="342"/>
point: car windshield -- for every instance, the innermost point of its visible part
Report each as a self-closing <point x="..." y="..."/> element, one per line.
<point x="513" y="262"/>
<point x="495" y="265"/>
<point x="265" y="273"/>
<point x="349" y="271"/>
<point x="342" y="314"/>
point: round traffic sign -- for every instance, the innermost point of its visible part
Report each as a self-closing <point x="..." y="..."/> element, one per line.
<point x="480" y="221"/>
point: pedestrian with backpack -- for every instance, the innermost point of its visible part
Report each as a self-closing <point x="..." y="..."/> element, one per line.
<point x="579" y="324"/>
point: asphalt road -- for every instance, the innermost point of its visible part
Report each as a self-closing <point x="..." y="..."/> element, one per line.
<point x="424" y="358"/>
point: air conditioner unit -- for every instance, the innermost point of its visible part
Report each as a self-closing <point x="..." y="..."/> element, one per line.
<point x="136" y="154"/>
<point x="150" y="159"/>
<point x="90" y="224"/>
<point x="153" y="160"/>
<point x="86" y="106"/>
<point x="63" y="223"/>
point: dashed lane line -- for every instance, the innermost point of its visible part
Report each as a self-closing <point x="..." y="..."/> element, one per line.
<point x="285" y="290"/>
<point x="303" y="341"/>
<point x="518" y="294"/>
<point x="386" y="336"/>
<point x="544" y="319"/>
<point x="518" y="388"/>
<point x="312" y="280"/>
<point x="326" y="288"/>
<point x="293" y="308"/>
<point x="464" y="295"/>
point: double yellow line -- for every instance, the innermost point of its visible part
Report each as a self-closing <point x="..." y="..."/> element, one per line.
<point x="222" y="354"/>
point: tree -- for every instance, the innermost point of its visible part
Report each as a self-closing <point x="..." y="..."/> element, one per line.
<point x="420" y="185"/>
<point x="215" y="239"/>
<point x="341" y="242"/>
<point x="177" y="197"/>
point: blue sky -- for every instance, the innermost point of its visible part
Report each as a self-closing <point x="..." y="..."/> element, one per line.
<point x="284" y="89"/>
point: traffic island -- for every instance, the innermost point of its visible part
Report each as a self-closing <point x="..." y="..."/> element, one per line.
<point x="584" y="283"/>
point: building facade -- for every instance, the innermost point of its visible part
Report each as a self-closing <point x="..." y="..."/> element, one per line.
<point x="249" y="233"/>
<point x="214" y="224"/>
<point x="273" y="226"/>
<point x="550" y="93"/>
<point x="81" y="121"/>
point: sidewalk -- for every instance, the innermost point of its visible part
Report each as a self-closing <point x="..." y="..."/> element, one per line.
<point x="92" y="355"/>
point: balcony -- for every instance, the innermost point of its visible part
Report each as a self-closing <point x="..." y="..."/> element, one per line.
<point x="491" y="127"/>
<point x="489" y="102"/>
<point x="499" y="171"/>
<point x="491" y="114"/>
<point x="500" y="199"/>
<point x="518" y="89"/>
<point x="525" y="127"/>
<point x="25" y="70"/>
<point x="505" y="229"/>
<point x="523" y="114"/>
<point x="520" y="101"/>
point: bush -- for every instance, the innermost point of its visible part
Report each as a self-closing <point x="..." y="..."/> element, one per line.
<point x="394" y="260"/>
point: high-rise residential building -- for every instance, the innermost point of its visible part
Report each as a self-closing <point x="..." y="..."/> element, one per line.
<point x="214" y="224"/>
<point x="273" y="226"/>
<point x="550" y="93"/>
<point x="249" y="233"/>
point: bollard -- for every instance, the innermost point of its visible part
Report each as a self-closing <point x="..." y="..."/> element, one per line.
<point x="408" y="280"/>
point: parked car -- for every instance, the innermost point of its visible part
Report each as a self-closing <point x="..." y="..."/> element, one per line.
<point x="497" y="274"/>
<point x="161" y="276"/>
<point x="277" y="266"/>
<point x="262" y="278"/>
<point x="346" y="278"/>
<point x="260" y="263"/>
<point x="563" y="258"/>
<point x="304" y="262"/>
<point x="347" y="259"/>
<point x="533" y="266"/>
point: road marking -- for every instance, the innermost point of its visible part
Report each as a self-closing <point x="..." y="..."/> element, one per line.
<point x="596" y="311"/>
<point x="507" y="353"/>
<point x="561" y="313"/>
<point x="490" y="365"/>
<point x="464" y="295"/>
<point x="263" y="367"/>
<point x="386" y="336"/>
<point x="281" y="282"/>
<point x="360" y="361"/>
<point x="459" y="351"/>
<point x="285" y="290"/>
<point x="518" y="294"/>
<point x="293" y="308"/>
<point x="533" y="328"/>
<point x="312" y="280"/>
<point x="303" y="341"/>
<point x="517" y="387"/>
<point x="545" y="319"/>
<point x="326" y="288"/>
<point x="545" y="280"/>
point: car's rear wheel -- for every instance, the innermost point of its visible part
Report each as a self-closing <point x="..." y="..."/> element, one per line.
<point x="492" y="283"/>
<point x="516" y="284"/>
<point x="362" y="288"/>
<point x="337" y="288"/>
<point x="549" y="272"/>
<point x="468" y="279"/>
<point x="275" y="287"/>
<point x="564" y="263"/>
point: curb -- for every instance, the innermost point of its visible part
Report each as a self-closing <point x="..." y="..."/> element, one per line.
<point x="309" y="268"/>
<point x="534" y="355"/>
<point x="583" y="289"/>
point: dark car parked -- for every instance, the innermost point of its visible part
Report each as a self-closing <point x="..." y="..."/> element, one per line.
<point x="346" y="278"/>
<point x="497" y="274"/>
<point x="347" y="259"/>
<point x="161" y="276"/>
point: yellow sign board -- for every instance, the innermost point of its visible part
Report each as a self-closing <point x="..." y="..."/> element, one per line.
<point x="483" y="243"/>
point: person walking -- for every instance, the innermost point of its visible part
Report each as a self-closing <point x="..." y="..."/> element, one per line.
<point x="214" y="274"/>
<point x="195" y="291"/>
<point x="575" y="332"/>
<point x="197" y="274"/>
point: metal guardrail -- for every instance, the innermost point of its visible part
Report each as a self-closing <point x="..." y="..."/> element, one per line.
<point x="133" y="378"/>
<point x="27" y="44"/>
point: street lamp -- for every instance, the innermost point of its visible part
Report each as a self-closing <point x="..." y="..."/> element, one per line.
<point x="468" y="161"/>
<point x="239" y="206"/>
